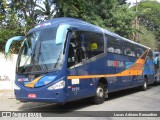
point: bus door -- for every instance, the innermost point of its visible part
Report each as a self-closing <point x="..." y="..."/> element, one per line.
<point x="77" y="85"/>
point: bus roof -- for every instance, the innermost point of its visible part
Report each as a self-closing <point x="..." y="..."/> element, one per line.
<point x="82" y="25"/>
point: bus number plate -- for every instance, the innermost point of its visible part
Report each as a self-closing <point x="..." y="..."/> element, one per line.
<point x="32" y="96"/>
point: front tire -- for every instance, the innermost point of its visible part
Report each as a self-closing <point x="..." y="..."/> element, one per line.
<point x="100" y="94"/>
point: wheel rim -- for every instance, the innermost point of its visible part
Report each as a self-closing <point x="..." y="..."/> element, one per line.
<point x="100" y="92"/>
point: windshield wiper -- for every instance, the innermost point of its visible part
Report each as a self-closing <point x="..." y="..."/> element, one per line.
<point x="24" y="65"/>
<point x="57" y="60"/>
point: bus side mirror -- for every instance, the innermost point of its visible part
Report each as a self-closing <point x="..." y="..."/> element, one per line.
<point x="10" y="41"/>
<point x="61" y="33"/>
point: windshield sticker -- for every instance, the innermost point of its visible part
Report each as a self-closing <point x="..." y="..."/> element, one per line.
<point x="44" y="24"/>
<point x="22" y="79"/>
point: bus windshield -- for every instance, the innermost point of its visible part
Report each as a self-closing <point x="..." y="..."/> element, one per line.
<point x="40" y="52"/>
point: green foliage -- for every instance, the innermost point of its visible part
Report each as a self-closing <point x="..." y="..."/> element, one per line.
<point x="121" y="21"/>
<point x="9" y="29"/>
<point x="147" y="37"/>
<point x="104" y="13"/>
<point x="2" y="11"/>
<point x="25" y="10"/>
<point x="47" y="11"/>
<point x="149" y="16"/>
<point x="81" y="9"/>
<point x="18" y="16"/>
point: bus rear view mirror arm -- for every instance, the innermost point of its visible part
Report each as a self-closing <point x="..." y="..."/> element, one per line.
<point x="10" y="41"/>
<point x="61" y="33"/>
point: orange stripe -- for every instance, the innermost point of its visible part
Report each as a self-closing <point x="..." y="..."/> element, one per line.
<point x="135" y="69"/>
<point x="31" y="84"/>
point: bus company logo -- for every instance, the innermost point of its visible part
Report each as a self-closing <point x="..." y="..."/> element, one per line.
<point x="111" y="63"/>
<point x="42" y="25"/>
<point x="31" y="76"/>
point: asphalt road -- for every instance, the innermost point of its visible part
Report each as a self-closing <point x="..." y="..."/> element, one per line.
<point x="126" y="100"/>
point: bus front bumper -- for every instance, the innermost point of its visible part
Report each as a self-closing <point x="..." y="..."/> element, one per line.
<point x="58" y="96"/>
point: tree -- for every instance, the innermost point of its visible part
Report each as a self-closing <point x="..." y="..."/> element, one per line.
<point x="75" y="8"/>
<point x="121" y="21"/>
<point x="121" y="2"/>
<point x="2" y="11"/>
<point x="25" y="10"/>
<point x="147" y="37"/>
<point x="149" y="15"/>
<point x="47" y="11"/>
<point x="10" y="28"/>
<point x="108" y="14"/>
<point x="18" y="16"/>
<point x="24" y="14"/>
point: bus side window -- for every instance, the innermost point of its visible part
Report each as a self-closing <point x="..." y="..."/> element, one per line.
<point x="94" y="44"/>
<point x="139" y="52"/>
<point x="129" y="49"/>
<point x="113" y="45"/>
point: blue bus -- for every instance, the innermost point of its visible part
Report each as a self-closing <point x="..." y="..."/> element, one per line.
<point x="66" y="59"/>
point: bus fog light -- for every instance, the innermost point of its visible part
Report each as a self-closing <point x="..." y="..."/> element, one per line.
<point x="16" y="87"/>
<point x="58" y="85"/>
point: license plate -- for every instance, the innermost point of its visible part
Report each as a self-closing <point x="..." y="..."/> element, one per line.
<point x="32" y="96"/>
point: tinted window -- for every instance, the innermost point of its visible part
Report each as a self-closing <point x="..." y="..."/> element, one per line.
<point x="76" y="52"/>
<point x="113" y="45"/>
<point x="129" y="49"/>
<point x="139" y="51"/>
<point x="84" y="45"/>
<point x="94" y="44"/>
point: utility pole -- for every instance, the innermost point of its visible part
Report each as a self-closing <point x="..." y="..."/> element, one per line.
<point x="136" y="24"/>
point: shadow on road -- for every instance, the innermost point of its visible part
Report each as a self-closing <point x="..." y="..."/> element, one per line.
<point x="75" y="105"/>
<point x="53" y="107"/>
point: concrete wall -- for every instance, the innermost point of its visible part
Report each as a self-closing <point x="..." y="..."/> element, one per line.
<point x="7" y="69"/>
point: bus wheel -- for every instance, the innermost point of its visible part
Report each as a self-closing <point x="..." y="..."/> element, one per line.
<point x="145" y="86"/>
<point x="100" y="94"/>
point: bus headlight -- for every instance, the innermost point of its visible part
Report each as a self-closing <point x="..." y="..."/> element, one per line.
<point x="58" y="85"/>
<point x="16" y="87"/>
